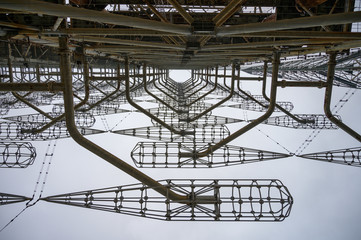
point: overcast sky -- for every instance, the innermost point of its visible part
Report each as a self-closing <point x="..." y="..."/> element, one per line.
<point x="326" y="196"/>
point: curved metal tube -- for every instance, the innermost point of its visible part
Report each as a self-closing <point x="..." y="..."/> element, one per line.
<point x="108" y="96"/>
<point x="131" y="102"/>
<point x="169" y="86"/>
<point x="161" y="90"/>
<point x="271" y="107"/>
<point x="220" y="102"/>
<point x="66" y="77"/>
<point x="200" y="89"/>
<point x="249" y="96"/>
<point x="192" y="85"/>
<point x="151" y="94"/>
<point x="21" y="99"/>
<point x="302" y="121"/>
<point x="328" y="96"/>
<point x="80" y="104"/>
<point x="16" y="95"/>
<point x="207" y="93"/>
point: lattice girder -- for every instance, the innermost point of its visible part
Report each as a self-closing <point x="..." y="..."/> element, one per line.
<point x="23" y="131"/>
<point x="6" y="198"/>
<point x="314" y="121"/>
<point x="347" y="156"/>
<point x="17" y="154"/>
<point x="168" y="155"/>
<point x="213" y="133"/>
<point x="207" y="200"/>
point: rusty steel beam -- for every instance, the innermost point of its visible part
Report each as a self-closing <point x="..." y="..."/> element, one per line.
<point x="227" y="12"/>
<point x="31" y="87"/>
<point x="128" y="42"/>
<point x="294" y="23"/>
<point x="59" y="10"/>
<point x="181" y="11"/>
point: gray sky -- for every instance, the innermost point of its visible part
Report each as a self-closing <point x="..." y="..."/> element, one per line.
<point x="326" y="195"/>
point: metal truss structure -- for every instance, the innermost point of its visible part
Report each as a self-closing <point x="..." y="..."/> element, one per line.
<point x="17" y="154"/>
<point x="11" y="198"/>
<point x="90" y="59"/>
<point x="168" y="155"/>
<point x="219" y="200"/>
<point x="349" y="156"/>
<point x="313" y="68"/>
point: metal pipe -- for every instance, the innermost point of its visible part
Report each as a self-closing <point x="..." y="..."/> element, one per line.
<point x="284" y="83"/>
<point x="31" y="87"/>
<point x="144" y="32"/>
<point x="250" y="96"/>
<point x="16" y="95"/>
<point x="303" y="34"/>
<point x="151" y="94"/>
<point x="66" y="76"/>
<point x="131" y="102"/>
<point x="161" y="90"/>
<point x="168" y="81"/>
<point x="80" y="104"/>
<point x="270" y="110"/>
<point x="107" y="96"/>
<point x="164" y="82"/>
<point x="171" y="89"/>
<point x="305" y="22"/>
<point x="303" y="121"/>
<point x="128" y="42"/>
<point x="249" y="78"/>
<point x="328" y="96"/>
<point x="220" y="102"/>
<point x="189" y="83"/>
<point x="193" y="85"/>
<point x="57" y="23"/>
<point x="105" y="31"/>
<point x="21" y="26"/>
<point x="207" y="93"/>
<point x="59" y="10"/>
<point x="22" y="99"/>
<point x="253" y="45"/>
<point x="200" y="89"/>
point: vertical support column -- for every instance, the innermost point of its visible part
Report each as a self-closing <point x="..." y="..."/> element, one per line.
<point x="328" y="96"/>
<point x="10" y="65"/>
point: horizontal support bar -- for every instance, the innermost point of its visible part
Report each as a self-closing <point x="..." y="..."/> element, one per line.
<point x="249" y="78"/>
<point x="293" y="23"/>
<point x="283" y="84"/>
<point x="59" y="10"/>
<point x="107" y="78"/>
<point x="32" y="87"/>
